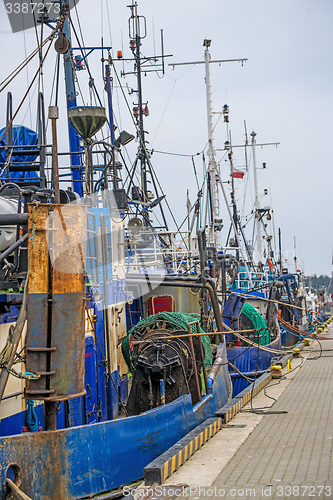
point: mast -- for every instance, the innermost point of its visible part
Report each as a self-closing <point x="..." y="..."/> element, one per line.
<point x="295" y="255"/>
<point x="136" y="37"/>
<point x="137" y="32"/>
<point x="233" y="200"/>
<point x="280" y="252"/>
<point x="212" y="166"/>
<point x="74" y="138"/>
<point x="259" y="212"/>
<point x="214" y="224"/>
<point x="135" y="43"/>
<point x="256" y="200"/>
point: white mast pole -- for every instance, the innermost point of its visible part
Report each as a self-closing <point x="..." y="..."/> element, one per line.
<point x="212" y="167"/>
<point x="256" y="201"/>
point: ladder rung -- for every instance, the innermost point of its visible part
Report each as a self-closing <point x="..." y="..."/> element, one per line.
<point x="41" y="349"/>
<point x="32" y="392"/>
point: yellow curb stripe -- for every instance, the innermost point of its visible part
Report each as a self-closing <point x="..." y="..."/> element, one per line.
<point x="173" y="464"/>
<point x="165" y="470"/>
<point x="180" y="458"/>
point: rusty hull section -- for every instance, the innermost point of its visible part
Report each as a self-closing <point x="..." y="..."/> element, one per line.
<point x="38" y="287"/>
<point x="76" y="462"/>
<point x="55" y="335"/>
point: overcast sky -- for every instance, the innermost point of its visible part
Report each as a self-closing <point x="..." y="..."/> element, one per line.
<point x="284" y="92"/>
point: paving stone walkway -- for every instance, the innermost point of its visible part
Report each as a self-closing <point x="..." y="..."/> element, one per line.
<point x="289" y="455"/>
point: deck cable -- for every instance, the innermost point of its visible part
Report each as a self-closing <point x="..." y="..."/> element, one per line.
<point x="315" y="358"/>
<point x="262" y="410"/>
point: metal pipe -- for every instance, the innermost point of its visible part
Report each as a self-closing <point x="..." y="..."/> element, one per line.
<point x="14" y="395"/>
<point x="50" y="408"/>
<point x="13" y="219"/>
<point x="203" y="365"/>
<point x="280" y="253"/>
<point x="50" y="412"/>
<point x="13" y="247"/>
<point x="162" y="392"/>
<point x="216" y="366"/>
<point x="53" y="116"/>
<point x="111" y="496"/>
<point x="196" y="376"/>
<point x="15" y="490"/>
<point x="203" y="402"/>
<point x="201" y="245"/>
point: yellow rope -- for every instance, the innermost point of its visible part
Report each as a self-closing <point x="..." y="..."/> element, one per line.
<point x="244" y="339"/>
<point x="263" y="348"/>
<point x="200" y="334"/>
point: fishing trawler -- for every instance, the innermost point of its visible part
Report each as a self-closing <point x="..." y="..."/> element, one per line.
<point x="110" y="348"/>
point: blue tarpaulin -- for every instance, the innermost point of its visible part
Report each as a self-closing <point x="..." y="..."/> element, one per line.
<point x="21" y="136"/>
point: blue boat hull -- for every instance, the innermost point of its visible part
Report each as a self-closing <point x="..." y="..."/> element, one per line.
<point x="75" y="462"/>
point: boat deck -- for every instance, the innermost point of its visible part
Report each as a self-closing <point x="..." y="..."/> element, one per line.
<point x="286" y="453"/>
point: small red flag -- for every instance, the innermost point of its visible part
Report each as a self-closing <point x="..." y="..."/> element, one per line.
<point x="270" y="265"/>
<point x="237" y="174"/>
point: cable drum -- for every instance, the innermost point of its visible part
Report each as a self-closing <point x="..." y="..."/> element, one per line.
<point x="171" y="321"/>
<point x="162" y="367"/>
<point x="155" y="341"/>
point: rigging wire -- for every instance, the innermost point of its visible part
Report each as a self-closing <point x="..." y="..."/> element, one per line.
<point x="176" y="154"/>
<point x="86" y="60"/>
<point x="40" y="49"/>
<point x="147" y="157"/>
<point x="164" y="111"/>
<point x="30" y="98"/>
<point x="195" y="173"/>
<point x="26" y="61"/>
<point x="27" y="71"/>
<point x="50" y="39"/>
<point x="108" y="18"/>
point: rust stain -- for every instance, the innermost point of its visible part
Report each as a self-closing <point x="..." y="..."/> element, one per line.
<point x="39" y="271"/>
